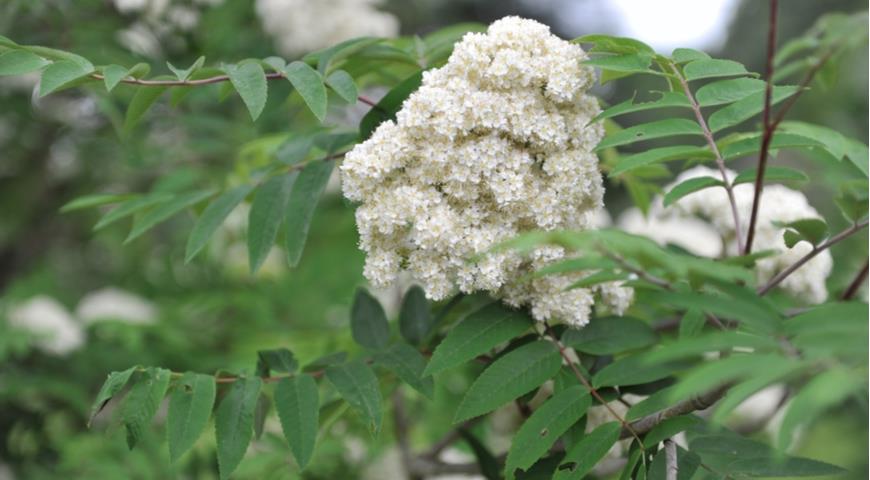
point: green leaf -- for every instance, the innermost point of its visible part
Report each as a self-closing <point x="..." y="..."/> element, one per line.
<point x="772" y="174"/>
<point x="709" y="342"/>
<point x="408" y="364"/>
<point x="712" y="67"/>
<point x="734" y="455"/>
<point x="190" y="406"/>
<point x="632" y="370"/>
<point x="234" y="423"/>
<point x="611" y="44"/>
<point x="710" y="375"/>
<point x="692" y="324"/>
<point x="657" y="155"/>
<point x="249" y="80"/>
<point x="598" y="278"/>
<point x="61" y="74"/>
<point x="824" y="391"/>
<point x="112" y="76"/>
<point x="727" y="91"/>
<point x="608" y="335"/>
<point x="415" y="320"/>
<point x="267" y="211"/>
<point x="142" y="402"/>
<point x="114" y="383"/>
<point x="342" y="83"/>
<point x="740" y="392"/>
<point x="61" y="56"/>
<point x="94" y="200"/>
<point x="648" y="131"/>
<point x="368" y="322"/>
<point x="813" y="230"/>
<point x="19" y="62"/>
<point x="357" y="384"/>
<point x="278" y="360"/>
<point x="300" y="208"/>
<point x="788" y="467"/>
<point x="576" y="264"/>
<point x="309" y="84"/>
<point x="142" y="101"/>
<point x="685" y="55"/>
<point x="165" y="211"/>
<point x="516" y="373"/>
<point x="670" y="427"/>
<point x="747" y="107"/>
<point x="185" y="74"/>
<point x="478" y="333"/>
<point x="749" y="313"/>
<point x="691" y="185"/>
<point x="212" y="218"/>
<point x="633" y="63"/>
<point x="666" y="99"/>
<point x="297" y="403"/>
<point x="130" y="207"/>
<point x="388" y="106"/>
<point x="583" y="456"/>
<point x="545" y="426"/>
<point x="752" y="145"/>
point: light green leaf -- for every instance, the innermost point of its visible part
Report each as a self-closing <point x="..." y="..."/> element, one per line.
<point x="750" y="313"/>
<point x="633" y="63"/>
<point x="657" y="155"/>
<point x="190" y="406"/>
<point x="747" y="107"/>
<point x="212" y="218"/>
<point x="709" y="68"/>
<point x="132" y="206"/>
<point x="710" y="342"/>
<point x="142" y="402"/>
<point x="813" y="230"/>
<point x="61" y="56"/>
<point x="164" y="211"/>
<point x="478" y="333"/>
<point x="342" y="83"/>
<point x="692" y="324"/>
<point x="112" y="76"/>
<point x="691" y="185"/>
<point x="648" y="131"/>
<point x="249" y="80"/>
<point x="727" y="91"/>
<point x="357" y="384"/>
<point x="752" y="145"/>
<point x="772" y="174"/>
<point x="114" y="383"/>
<point x="591" y="262"/>
<point x="611" y="44"/>
<point x="666" y="99"/>
<point x="297" y="403"/>
<point x="762" y="378"/>
<point x="267" y="211"/>
<point x="185" y="74"/>
<point x="415" y="320"/>
<point x="309" y="84"/>
<point x="710" y="375"/>
<point x="142" y="101"/>
<point x="609" y="335"/>
<point x="94" y="200"/>
<point x="408" y="364"/>
<point x="300" y="208"/>
<point x="516" y="373"/>
<point x="685" y="55"/>
<point x="61" y="74"/>
<point x="583" y="456"/>
<point x="19" y="62"/>
<point x="368" y="322"/>
<point x="234" y="423"/>
<point x="540" y="431"/>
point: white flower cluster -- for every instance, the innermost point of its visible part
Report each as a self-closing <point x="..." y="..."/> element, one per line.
<point x="301" y="26"/>
<point x="493" y="144"/>
<point x="158" y="19"/>
<point x="778" y="204"/>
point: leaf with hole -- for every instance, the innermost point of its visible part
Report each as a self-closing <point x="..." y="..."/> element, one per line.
<point x="586" y="453"/>
<point x="142" y="402"/>
<point x="190" y="406"/>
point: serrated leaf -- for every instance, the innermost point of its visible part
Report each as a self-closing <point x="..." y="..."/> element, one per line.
<point x="165" y="211"/>
<point x="249" y="80"/>
<point x="387" y="107"/>
<point x="689" y="186"/>
<point x="583" y="456"/>
<point x="415" y="319"/>
<point x="648" y="131"/>
<point x="142" y="101"/>
<point x="309" y="84"/>
<point x="666" y="99"/>
<point x="685" y="55"/>
<point x="300" y="208"/>
<point x="608" y="335"/>
<point x="185" y="74"/>
<point x="408" y="364"/>
<point x="190" y="406"/>
<point x="357" y="384"/>
<point x="368" y="322"/>
<point x="267" y="212"/>
<point x="19" y="62"/>
<point x="114" y="383"/>
<point x="342" y="83"/>
<point x="94" y="200"/>
<point x="747" y="107"/>
<point x="234" y="423"/>
<point x="658" y="155"/>
<point x="298" y="403"/>
<point x="212" y="218"/>
<point x="752" y="145"/>
<point x="142" y="402"/>
<point x="60" y="74"/>
<point x="278" y="360"/>
<point x="632" y="370"/>
<point x="712" y="67"/>
<point x="541" y="430"/>
<point x="727" y="91"/>
<point x="476" y="334"/>
<point x="516" y="373"/>
<point x="772" y="174"/>
<point x="130" y="207"/>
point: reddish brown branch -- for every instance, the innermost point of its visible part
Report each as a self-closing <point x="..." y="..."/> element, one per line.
<point x="856" y="282"/>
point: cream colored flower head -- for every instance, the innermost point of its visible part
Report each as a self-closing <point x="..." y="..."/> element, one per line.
<point x="495" y="143"/>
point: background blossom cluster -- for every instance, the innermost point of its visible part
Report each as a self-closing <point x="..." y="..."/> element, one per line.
<point x="495" y="143"/>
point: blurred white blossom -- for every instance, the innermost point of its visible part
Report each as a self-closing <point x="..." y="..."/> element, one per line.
<point x="156" y="21"/>
<point x="115" y="304"/>
<point x="301" y="26"/>
<point x="493" y="144"/>
<point x="56" y="331"/>
<point x="692" y="234"/>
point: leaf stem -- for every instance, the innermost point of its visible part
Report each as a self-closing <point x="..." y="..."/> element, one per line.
<point x="856" y="282"/>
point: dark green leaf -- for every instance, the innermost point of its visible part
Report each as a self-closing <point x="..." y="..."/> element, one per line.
<point x="142" y="101"/>
<point x="516" y="373"/>
<point x="264" y="219"/>
<point x="727" y="91"/>
<point x="342" y="83"/>
<point x="165" y="211"/>
<point x="249" y="80"/>
<point x="388" y="106"/>
<point x="670" y="427"/>
<point x="19" y="62"/>
<point x="300" y="208"/>
<point x="234" y="423"/>
<point x="691" y="185"/>
<point x="278" y="360"/>
<point x="632" y="370"/>
<point x="635" y="62"/>
<point x="752" y="145"/>
<point x="415" y="320"/>
<point x="130" y="207"/>
<point x="297" y="403"/>
<point x="94" y="200"/>
<point x="656" y="155"/>
<point x="772" y="174"/>
<point x="408" y="364"/>
<point x="583" y="456"/>
<point x="368" y="322"/>
<point x="190" y="406"/>
<point x="710" y="342"/>
<point x="113" y="384"/>
<point x="357" y="384"/>
<point x="212" y="218"/>
<point x="309" y="84"/>
<point x="712" y="67"/>
<point x="608" y="335"/>
<point x="142" y="402"/>
<point x="61" y="74"/>
<point x="648" y="131"/>
<point x="692" y="324"/>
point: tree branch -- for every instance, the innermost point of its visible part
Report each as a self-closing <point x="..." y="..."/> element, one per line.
<point x="701" y="402"/>
<point x="671" y="465"/>
<point x="856" y="282"/>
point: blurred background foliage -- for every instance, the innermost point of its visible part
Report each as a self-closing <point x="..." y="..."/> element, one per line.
<point x="211" y="314"/>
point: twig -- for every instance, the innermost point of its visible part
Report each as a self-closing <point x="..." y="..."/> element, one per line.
<point x="400" y="430"/>
<point x="657" y="281"/>
<point x="856" y="282"/>
<point x="701" y="402"/>
<point x="720" y="162"/>
<point x="671" y="468"/>
<point x="778" y="278"/>
<point x="768" y="129"/>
